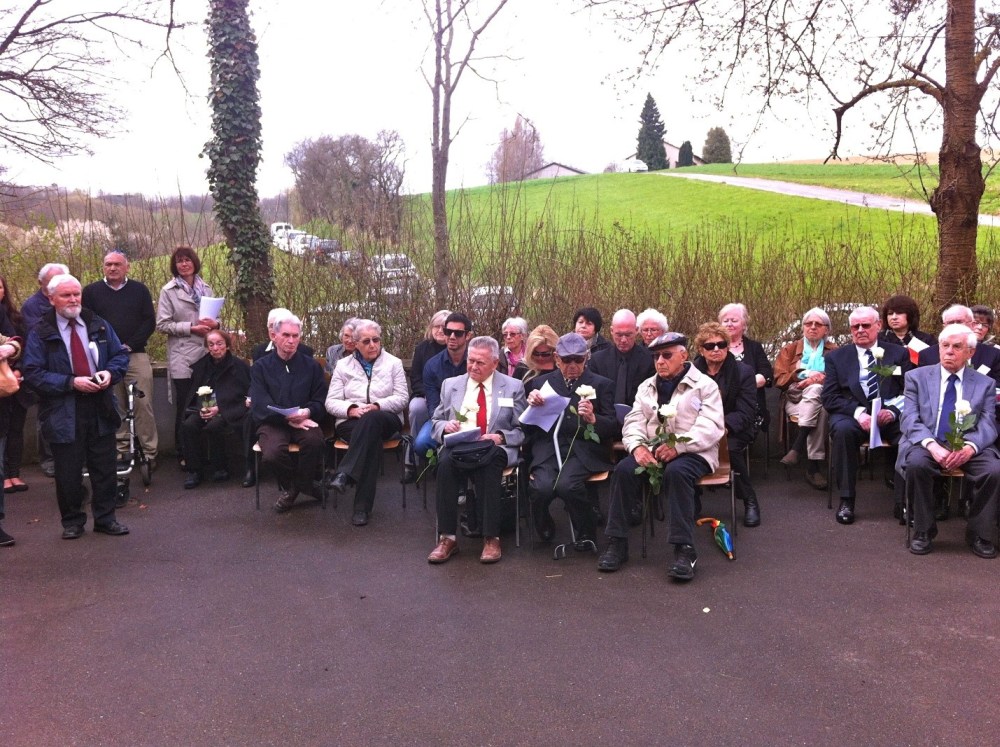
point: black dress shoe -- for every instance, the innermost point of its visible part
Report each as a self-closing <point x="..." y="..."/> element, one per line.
<point x="249" y="479"/>
<point x="114" y="528"/>
<point x="339" y="482"/>
<point x="920" y="544"/>
<point x="845" y="514"/>
<point x="5" y="539"/>
<point x="360" y="518"/>
<point x="220" y="475"/>
<point x="409" y="474"/>
<point x="614" y="556"/>
<point x="193" y="480"/>
<point x="72" y="533"/>
<point x="585" y="542"/>
<point x="984" y="548"/>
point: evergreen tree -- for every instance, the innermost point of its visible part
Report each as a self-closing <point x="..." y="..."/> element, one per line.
<point x="650" y="149"/>
<point x="716" y="148"/>
<point x="685" y="156"/>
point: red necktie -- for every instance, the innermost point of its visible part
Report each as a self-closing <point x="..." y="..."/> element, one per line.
<point x="481" y="415"/>
<point x="80" y="365"/>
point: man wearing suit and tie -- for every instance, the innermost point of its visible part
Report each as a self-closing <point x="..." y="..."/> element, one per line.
<point x="494" y="402"/>
<point x="848" y="392"/>
<point x="932" y="396"/>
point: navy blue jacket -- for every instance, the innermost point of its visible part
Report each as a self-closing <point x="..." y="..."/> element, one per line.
<point x="48" y="371"/>
<point x="436" y="370"/>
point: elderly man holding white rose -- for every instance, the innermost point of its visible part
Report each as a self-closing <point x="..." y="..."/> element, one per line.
<point x="584" y="436"/>
<point x="948" y="423"/>
<point x="672" y="435"/>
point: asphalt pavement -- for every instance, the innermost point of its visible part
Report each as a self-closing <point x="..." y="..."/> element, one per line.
<point x="213" y="623"/>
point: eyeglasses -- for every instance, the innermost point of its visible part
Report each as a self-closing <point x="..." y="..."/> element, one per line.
<point x="511" y="334"/>
<point x="813" y="324"/>
<point x="860" y="326"/>
<point x="541" y="354"/>
<point x="370" y="341"/>
<point x="454" y="332"/>
<point x="571" y="359"/>
<point x="664" y="354"/>
<point x="720" y="345"/>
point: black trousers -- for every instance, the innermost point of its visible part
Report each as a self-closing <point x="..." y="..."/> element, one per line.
<point x="847" y="436"/>
<point x="215" y="432"/>
<point x="571" y="488"/>
<point x="486" y="478"/>
<point x="182" y="392"/>
<point x="680" y="476"/>
<point x="95" y="451"/>
<point x="738" y="461"/>
<point x="274" y="441"/>
<point x="361" y="463"/>
<point x="982" y="472"/>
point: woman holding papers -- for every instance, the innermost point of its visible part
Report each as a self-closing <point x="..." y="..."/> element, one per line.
<point x="178" y="317"/>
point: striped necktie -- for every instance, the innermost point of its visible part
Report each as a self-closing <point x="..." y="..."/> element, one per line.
<point x="871" y="382"/>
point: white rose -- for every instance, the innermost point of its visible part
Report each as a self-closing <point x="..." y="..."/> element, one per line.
<point x="585" y="392"/>
<point x="204" y="391"/>
<point x="878" y="353"/>
<point x="668" y="411"/>
<point x="962" y="408"/>
<point x="471" y="409"/>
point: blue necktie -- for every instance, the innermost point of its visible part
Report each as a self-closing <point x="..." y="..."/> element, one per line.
<point x="947" y="408"/>
<point x="871" y="382"/>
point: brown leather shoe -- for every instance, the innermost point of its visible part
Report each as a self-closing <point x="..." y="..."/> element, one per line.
<point x="491" y="550"/>
<point x="817" y="480"/>
<point x="446" y="547"/>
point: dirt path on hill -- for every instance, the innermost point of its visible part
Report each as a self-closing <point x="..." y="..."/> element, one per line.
<point x="861" y="199"/>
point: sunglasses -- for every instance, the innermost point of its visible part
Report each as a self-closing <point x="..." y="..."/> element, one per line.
<point x="664" y="354"/>
<point x="721" y="345"/>
<point x="454" y="332"/>
<point x="541" y="354"/>
<point x="860" y="326"/>
<point x="571" y="359"/>
<point x="370" y="340"/>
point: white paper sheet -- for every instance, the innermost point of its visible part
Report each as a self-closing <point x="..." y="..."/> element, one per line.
<point x="545" y="414"/>
<point x="875" y="436"/>
<point x="210" y="307"/>
<point x="286" y="411"/>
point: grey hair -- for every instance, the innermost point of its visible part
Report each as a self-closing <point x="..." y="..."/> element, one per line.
<point x="729" y="308"/>
<point x="956" y="309"/>
<point x="363" y="324"/>
<point x="49" y="267"/>
<point x="439" y="317"/>
<point x="486" y="342"/>
<point x="817" y="312"/>
<point x="868" y="311"/>
<point x="273" y="314"/>
<point x="350" y="325"/>
<point x="286" y="318"/>
<point x="517" y="322"/>
<point x="654" y="316"/>
<point x="951" y="330"/>
<point x="57" y="280"/>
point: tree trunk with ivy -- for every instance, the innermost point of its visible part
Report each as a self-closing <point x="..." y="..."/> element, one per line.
<point x="234" y="152"/>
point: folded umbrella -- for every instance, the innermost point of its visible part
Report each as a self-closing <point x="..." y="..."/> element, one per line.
<point x="720" y="533"/>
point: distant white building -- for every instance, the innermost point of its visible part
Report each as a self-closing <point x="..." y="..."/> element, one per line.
<point x="673" y="151"/>
<point x="553" y="169"/>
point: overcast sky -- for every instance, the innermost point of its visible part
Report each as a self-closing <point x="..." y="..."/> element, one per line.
<point x="347" y="66"/>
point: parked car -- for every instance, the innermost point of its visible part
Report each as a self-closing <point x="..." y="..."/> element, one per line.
<point x="493" y="298"/>
<point x="278" y="230"/>
<point x="299" y="246"/>
<point x="390" y="268"/>
<point x="345" y="258"/>
<point x="287" y="239"/>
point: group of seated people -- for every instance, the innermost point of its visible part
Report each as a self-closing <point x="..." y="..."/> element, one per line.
<point x="636" y="405"/>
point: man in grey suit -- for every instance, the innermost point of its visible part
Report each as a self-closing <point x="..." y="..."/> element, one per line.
<point x="492" y="403"/>
<point x="932" y="395"/>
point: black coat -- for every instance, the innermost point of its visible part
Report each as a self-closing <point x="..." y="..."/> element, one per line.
<point x="594" y="457"/>
<point x="638" y="366"/>
<point x="229" y="379"/>
<point x="842" y="390"/>
<point x="755" y="357"/>
<point x="739" y="398"/>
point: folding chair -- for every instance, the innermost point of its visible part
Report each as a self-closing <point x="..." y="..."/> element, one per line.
<point x="559" y="552"/>
<point x="390" y="444"/>
<point x="950" y="475"/>
<point x="510" y="483"/>
<point x="292" y="449"/>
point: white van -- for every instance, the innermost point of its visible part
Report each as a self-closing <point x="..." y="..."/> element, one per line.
<point x="278" y="230"/>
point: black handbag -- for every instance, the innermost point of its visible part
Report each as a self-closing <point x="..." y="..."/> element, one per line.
<point x="471" y="454"/>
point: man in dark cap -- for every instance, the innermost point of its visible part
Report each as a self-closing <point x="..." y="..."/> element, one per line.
<point x="563" y="475"/>
<point x="678" y="400"/>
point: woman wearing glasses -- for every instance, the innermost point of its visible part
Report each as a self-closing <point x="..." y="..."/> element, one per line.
<point x="367" y="397"/>
<point x="512" y="351"/>
<point x="539" y="352"/>
<point x="739" y="404"/>
<point x="799" y="371"/>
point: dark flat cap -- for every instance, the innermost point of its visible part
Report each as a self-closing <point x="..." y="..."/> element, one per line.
<point x="668" y="340"/>
<point x="571" y="344"/>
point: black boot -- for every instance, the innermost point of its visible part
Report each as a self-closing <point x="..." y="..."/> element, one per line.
<point x="614" y="556"/>
<point x="751" y="512"/>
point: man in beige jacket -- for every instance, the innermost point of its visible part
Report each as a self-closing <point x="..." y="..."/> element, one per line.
<point x="678" y="400"/>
